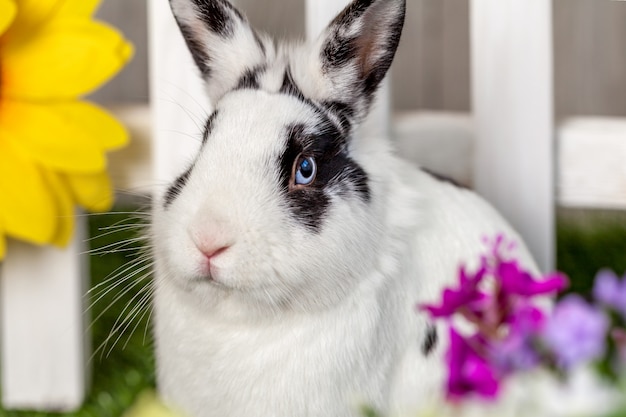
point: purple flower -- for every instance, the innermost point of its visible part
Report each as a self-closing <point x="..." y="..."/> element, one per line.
<point x="610" y="291"/>
<point x="468" y="372"/>
<point x="576" y="332"/>
<point x="517" y="351"/>
<point x="515" y="280"/>
<point x="465" y="295"/>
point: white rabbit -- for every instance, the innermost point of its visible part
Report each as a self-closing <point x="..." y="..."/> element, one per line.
<point x="291" y="255"/>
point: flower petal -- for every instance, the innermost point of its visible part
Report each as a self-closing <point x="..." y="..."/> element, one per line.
<point x="65" y="208"/>
<point x="27" y="207"/>
<point x="94" y="192"/>
<point x="67" y="59"/>
<point x="101" y="127"/>
<point x="31" y="15"/>
<point x="44" y="133"/>
<point x="7" y="14"/>
<point x="84" y="8"/>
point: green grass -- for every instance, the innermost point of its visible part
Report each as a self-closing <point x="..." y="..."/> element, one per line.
<point x="589" y="241"/>
<point x="586" y="243"/>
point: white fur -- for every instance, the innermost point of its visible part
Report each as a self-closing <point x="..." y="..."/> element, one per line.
<point x="299" y="323"/>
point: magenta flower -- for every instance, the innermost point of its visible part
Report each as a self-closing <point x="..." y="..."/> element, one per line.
<point x="465" y="295"/>
<point x="515" y="280"/>
<point x="576" y="332"/>
<point x="518" y="350"/>
<point x="468" y="372"/>
<point x="610" y="291"/>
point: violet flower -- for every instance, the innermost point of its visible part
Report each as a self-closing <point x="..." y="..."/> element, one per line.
<point x="468" y="372"/>
<point x="610" y="291"/>
<point x="576" y="332"/>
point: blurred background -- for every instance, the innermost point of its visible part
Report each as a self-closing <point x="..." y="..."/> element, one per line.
<point x="432" y="68"/>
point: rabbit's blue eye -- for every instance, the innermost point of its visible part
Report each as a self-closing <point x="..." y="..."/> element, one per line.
<point x="306" y="170"/>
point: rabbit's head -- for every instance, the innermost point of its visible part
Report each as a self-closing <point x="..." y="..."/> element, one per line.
<point x="284" y="206"/>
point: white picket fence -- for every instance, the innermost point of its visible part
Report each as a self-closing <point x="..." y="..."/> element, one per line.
<point x="512" y="137"/>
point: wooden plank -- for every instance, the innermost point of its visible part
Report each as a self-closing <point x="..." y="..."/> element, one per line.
<point x="319" y="13"/>
<point x="44" y="337"/>
<point x="590" y="37"/>
<point x="513" y="109"/>
<point x="455" y="68"/>
<point x="591" y="154"/>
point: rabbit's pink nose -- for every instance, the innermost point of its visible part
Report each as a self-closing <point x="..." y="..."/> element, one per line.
<point x="211" y="253"/>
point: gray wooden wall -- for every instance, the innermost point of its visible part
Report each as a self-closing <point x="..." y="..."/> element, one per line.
<point x="432" y="69"/>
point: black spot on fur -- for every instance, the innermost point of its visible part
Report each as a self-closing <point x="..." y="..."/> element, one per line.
<point x="430" y="341"/>
<point x="337" y="173"/>
<point x="208" y="127"/>
<point x="443" y="178"/>
<point x="215" y="15"/>
<point x="198" y="52"/>
<point x="289" y="87"/>
<point x="344" y="112"/>
<point x="250" y="79"/>
<point x="176" y="188"/>
<point x="373" y="41"/>
<point x="352" y="12"/>
<point x="338" y="52"/>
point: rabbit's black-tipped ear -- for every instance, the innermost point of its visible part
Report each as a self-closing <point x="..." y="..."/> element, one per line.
<point x="221" y="41"/>
<point x="357" y="49"/>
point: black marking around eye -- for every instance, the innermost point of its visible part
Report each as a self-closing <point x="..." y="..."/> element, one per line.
<point x="208" y="127"/>
<point x="214" y="14"/>
<point x="430" y="341"/>
<point x="174" y="191"/>
<point x="337" y="173"/>
<point x="250" y="78"/>
<point x="197" y="49"/>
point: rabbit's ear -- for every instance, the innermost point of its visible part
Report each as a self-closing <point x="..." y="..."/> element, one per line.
<point x="356" y="50"/>
<point x="221" y="41"/>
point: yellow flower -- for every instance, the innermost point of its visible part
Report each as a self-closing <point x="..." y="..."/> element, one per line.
<point x="53" y="145"/>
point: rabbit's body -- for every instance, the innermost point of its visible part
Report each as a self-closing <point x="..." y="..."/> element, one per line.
<point x="291" y="256"/>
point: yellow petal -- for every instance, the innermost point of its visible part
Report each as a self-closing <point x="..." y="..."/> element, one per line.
<point x="84" y="8"/>
<point x="93" y="192"/>
<point x="50" y="138"/>
<point x="65" y="208"/>
<point x="68" y="58"/>
<point x="31" y="15"/>
<point x="101" y="127"/>
<point x="7" y="14"/>
<point x="27" y="207"/>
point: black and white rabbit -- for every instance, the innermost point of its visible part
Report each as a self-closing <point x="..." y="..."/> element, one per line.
<point x="291" y="255"/>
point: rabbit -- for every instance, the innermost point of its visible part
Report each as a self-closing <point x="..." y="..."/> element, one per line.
<point x="291" y="255"/>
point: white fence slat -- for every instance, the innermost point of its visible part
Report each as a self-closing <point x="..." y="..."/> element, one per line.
<point x="319" y="13"/>
<point x="44" y="337"/>
<point x="511" y="44"/>
<point x="592" y="171"/>
<point x="179" y="105"/>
